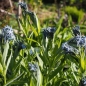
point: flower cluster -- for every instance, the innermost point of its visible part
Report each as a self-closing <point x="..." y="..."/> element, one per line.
<point x="83" y="81"/>
<point x="7" y="33"/>
<point x="23" y="5"/>
<point x="49" y="32"/>
<point x="33" y="67"/>
<point x="76" y="30"/>
<point x="19" y="45"/>
<point x="78" y="39"/>
<point x="69" y="49"/>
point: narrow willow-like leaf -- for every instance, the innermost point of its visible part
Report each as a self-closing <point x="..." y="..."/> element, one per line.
<point x="1" y="69"/>
<point x="82" y="63"/>
<point x="55" y="72"/>
<point x="75" y="78"/>
<point x="39" y="78"/>
<point x="32" y="82"/>
<point x="22" y="27"/>
<point x="6" y="47"/>
<point x="59" y="26"/>
<point x="9" y="60"/>
<point x="34" y="31"/>
<point x="85" y="62"/>
<point x="35" y="21"/>
<point x="44" y="59"/>
<point x="12" y="80"/>
<point x="82" y="59"/>
<point x="18" y="83"/>
<point x="33" y="41"/>
<point x="59" y="81"/>
<point x="40" y="60"/>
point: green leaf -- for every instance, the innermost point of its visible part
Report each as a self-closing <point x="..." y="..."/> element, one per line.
<point x="59" y="81"/>
<point x="34" y="31"/>
<point x="33" y="41"/>
<point x="32" y="82"/>
<point x="12" y="80"/>
<point x="18" y="82"/>
<point x="39" y="78"/>
<point x="6" y="47"/>
<point x="35" y="21"/>
<point x="59" y="27"/>
<point x="40" y="60"/>
<point x="82" y="60"/>
<point x="82" y="63"/>
<point x="1" y="69"/>
<point x="9" y="60"/>
<point x="22" y="27"/>
<point x="55" y="72"/>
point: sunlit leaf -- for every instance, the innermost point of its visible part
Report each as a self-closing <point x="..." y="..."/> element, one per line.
<point x="6" y="47"/>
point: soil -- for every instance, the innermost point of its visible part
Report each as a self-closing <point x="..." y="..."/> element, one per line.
<point x="5" y="6"/>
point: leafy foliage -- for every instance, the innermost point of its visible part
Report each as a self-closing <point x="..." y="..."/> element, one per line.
<point x="76" y="14"/>
<point x="37" y="60"/>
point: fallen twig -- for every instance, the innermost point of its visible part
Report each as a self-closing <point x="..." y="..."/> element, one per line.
<point x="8" y="13"/>
<point x="11" y="5"/>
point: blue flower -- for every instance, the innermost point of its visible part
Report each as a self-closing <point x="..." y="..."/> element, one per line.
<point x="49" y="32"/>
<point x="80" y="40"/>
<point x="33" y="67"/>
<point x="76" y="30"/>
<point x="7" y="33"/>
<point x="69" y="49"/>
<point x="19" y="45"/>
<point x="83" y="81"/>
<point x="23" y="5"/>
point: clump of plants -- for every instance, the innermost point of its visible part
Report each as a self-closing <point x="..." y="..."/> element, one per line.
<point x="42" y="56"/>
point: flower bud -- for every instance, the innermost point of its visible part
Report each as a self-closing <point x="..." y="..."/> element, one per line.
<point x="7" y="33"/>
